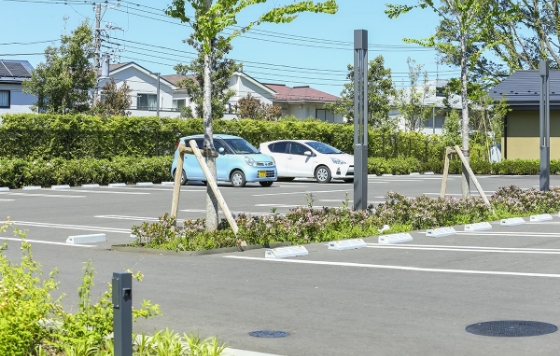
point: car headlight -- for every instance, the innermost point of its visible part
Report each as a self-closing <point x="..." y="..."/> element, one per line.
<point x="337" y="161"/>
<point x="250" y="161"/>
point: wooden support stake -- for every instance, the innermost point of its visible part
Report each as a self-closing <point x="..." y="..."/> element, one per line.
<point x="212" y="183"/>
<point x="448" y="151"/>
<point x="178" y="172"/>
<point x="469" y="170"/>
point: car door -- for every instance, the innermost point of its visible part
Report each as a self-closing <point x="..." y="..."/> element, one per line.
<point x="278" y="151"/>
<point x="222" y="161"/>
<point x="191" y="165"/>
<point x="299" y="164"/>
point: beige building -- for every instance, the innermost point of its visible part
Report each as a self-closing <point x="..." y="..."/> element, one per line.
<point x="521" y="125"/>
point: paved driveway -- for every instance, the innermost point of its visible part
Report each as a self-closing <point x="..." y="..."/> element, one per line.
<point x="410" y="299"/>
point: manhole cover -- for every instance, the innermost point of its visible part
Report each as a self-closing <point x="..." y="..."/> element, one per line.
<point x="269" y="333"/>
<point x="511" y="328"/>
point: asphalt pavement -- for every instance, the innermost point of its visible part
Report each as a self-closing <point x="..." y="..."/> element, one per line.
<point x="415" y="298"/>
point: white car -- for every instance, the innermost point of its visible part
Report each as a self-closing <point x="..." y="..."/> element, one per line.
<point x="307" y="158"/>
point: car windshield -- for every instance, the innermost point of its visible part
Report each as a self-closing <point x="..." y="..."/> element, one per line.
<point x="323" y="148"/>
<point x="240" y="146"/>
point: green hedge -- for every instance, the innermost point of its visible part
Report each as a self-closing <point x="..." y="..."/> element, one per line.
<point x="16" y="173"/>
<point x="50" y="136"/>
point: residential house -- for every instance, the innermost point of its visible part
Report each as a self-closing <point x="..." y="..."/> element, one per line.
<point x="521" y="137"/>
<point x="151" y="94"/>
<point x="302" y="102"/>
<point x="12" y="97"/>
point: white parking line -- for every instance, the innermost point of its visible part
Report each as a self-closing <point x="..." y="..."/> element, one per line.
<point x="470" y="247"/>
<point x="45" y="242"/>
<point x="69" y="227"/>
<point x="510" y="233"/>
<point x="465" y="249"/>
<point x="398" y="268"/>
<point x="124" y="217"/>
<point x="106" y="192"/>
<point x="46" y="195"/>
<point x="7" y="199"/>
<point x="233" y="212"/>
<point x="304" y="192"/>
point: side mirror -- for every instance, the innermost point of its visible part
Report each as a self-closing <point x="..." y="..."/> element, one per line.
<point x="308" y="153"/>
<point x="221" y="150"/>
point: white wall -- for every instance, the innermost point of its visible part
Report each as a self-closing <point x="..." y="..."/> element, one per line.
<point x="305" y="110"/>
<point x="142" y="83"/>
<point x="19" y="101"/>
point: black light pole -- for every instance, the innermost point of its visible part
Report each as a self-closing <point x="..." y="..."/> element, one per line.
<point x="545" y="126"/>
<point x="360" y="119"/>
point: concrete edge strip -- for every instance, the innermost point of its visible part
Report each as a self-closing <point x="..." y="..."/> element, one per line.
<point x="32" y="187"/>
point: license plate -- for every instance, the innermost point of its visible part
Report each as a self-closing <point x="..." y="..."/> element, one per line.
<point x="262" y="174"/>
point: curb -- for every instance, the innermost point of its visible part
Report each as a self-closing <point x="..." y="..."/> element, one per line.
<point x="154" y="251"/>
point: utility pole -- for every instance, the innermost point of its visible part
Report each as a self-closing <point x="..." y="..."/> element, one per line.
<point x="97" y="47"/>
<point x="544" y="127"/>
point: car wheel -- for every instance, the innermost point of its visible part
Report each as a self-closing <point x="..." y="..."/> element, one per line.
<point x="184" y="179"/>
<point x="323" y="174"/>
<point x="238" y="178"/>
<point x="285" y="179"/>
<point x="349" y="180"/>
<point x="266" y="184"/>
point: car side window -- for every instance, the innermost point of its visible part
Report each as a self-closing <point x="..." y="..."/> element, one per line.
<point x="220" y="144"/>
<point x="298" y="149"/>
<point x="278" y="147"/>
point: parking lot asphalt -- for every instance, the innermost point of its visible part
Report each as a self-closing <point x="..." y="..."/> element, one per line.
<point x="407" y="299"/>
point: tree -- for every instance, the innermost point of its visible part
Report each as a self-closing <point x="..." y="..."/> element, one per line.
<point x="210" y="19"/>
<point x="221" y="72"/>
<point x="535" y="34"/>
<point x="114" y="100"/>
<point x="411" y="101"/>
<point x="252" y="108"/>
<point x="380" y="89"/>
<point x="464" y="25"/>
<point x="62" y="84"/>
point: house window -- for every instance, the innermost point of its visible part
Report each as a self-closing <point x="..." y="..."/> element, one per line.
<point x="440" y="92"/>
<point x="178" y="105"/>
<point x="324" y="115"/>
<point x="4" y="98"/>
<point x="146" y="102"/>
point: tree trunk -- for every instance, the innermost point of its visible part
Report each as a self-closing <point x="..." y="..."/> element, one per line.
<point x="209" y="149"/>
<point x="465" y="179"/>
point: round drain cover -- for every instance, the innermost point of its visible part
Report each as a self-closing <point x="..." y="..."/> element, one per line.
<point x="269" y="333"/>
<point x="511" y="328"/>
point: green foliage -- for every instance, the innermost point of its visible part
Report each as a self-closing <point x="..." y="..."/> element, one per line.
<point x="221" y="71"/>
<point x="250" y="107"/>
<point x="410" y="101"/>
<point x="16" y="173"/>
<point x="114" y="100"/>
<point x="306" y="224"/>
<point x="25" y="301"/>
<point x="62" y="84"/>
<point x="380" y="89"/>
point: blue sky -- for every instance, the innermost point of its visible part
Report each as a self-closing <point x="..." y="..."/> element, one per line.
<point x="313" y="50"/>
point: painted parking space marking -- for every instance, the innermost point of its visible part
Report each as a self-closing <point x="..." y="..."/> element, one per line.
<point x="7" y="199"/>
<point x="233" y="212"/>
<point x="469" y="249"/>
<point x="45" y="195"/>
<point x="397" y="268"/>
<point x="69" y="227"/>
<point x="303" y="192"/>
<point x="509" y="233"/>
<point x="170" y="189"/>
<point x="124" y="217"/>
<point x="106" y="192"/>
<point x="45" y="242"/>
